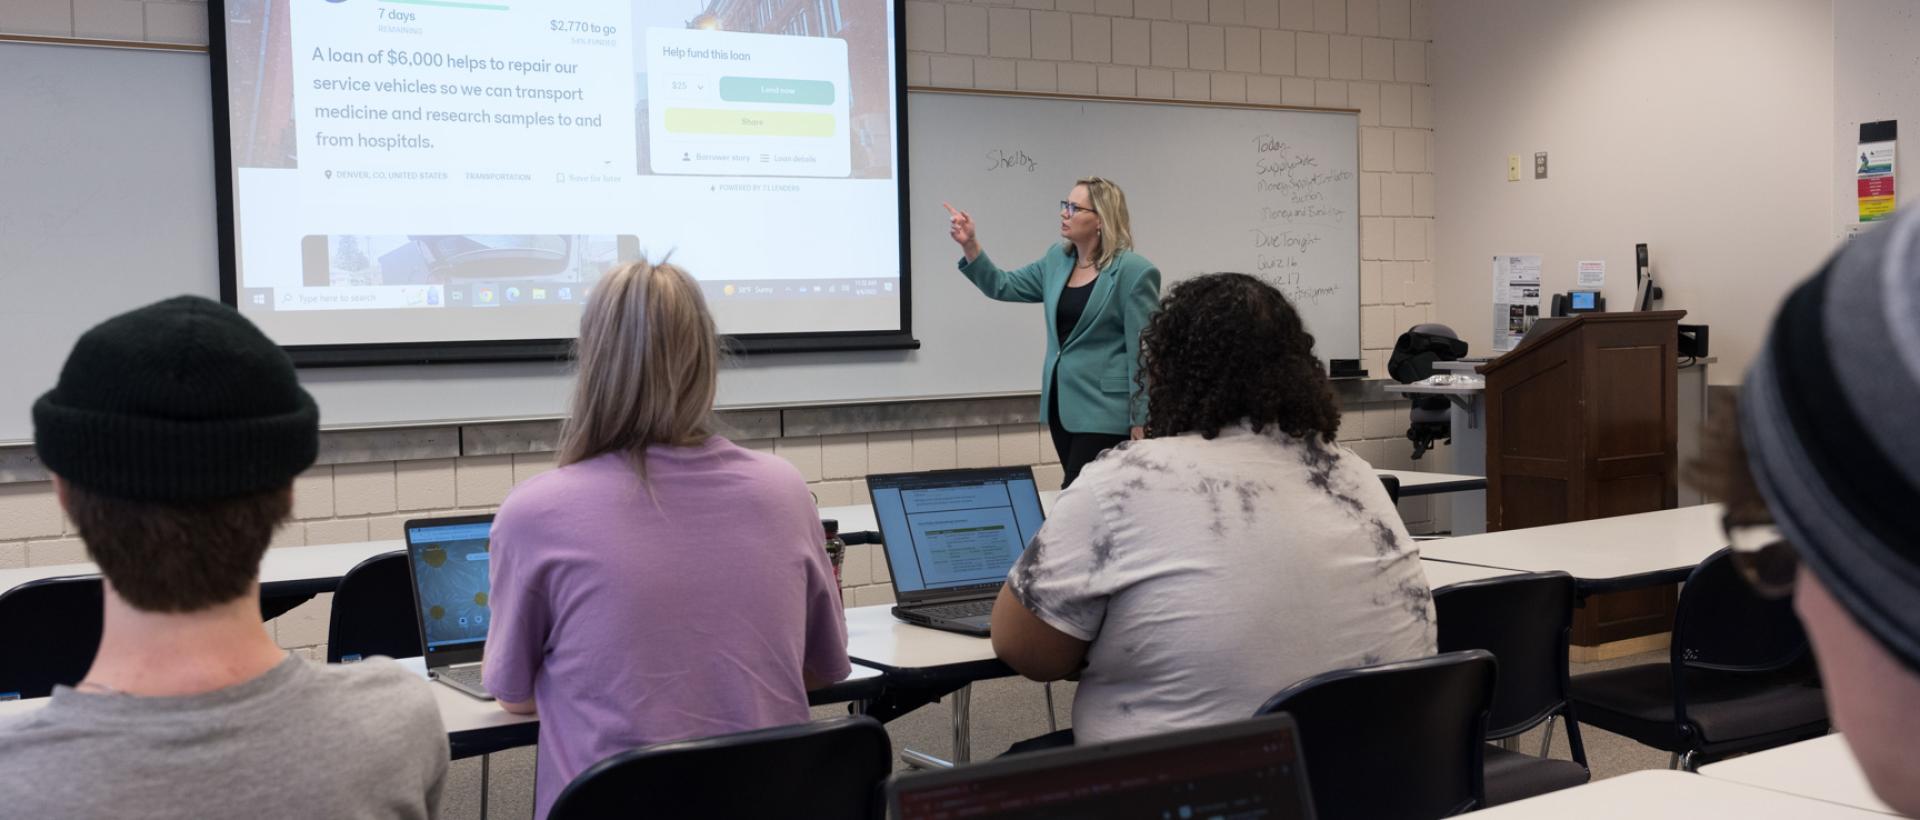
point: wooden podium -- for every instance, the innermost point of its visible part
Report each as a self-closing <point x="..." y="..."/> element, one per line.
<point x="1583" y="422"/>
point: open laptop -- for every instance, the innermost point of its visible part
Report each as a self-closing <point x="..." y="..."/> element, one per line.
<point x="448" y="561"/>
<point x="1245" y="770"/>
<point x="951" y="536"/>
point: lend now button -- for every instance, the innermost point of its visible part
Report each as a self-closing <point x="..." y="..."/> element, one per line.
<point x="763" y="90"/>
<point x="749" y="123"/>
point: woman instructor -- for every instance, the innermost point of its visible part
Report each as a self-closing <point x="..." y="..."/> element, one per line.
<point x="1097" y="294"/>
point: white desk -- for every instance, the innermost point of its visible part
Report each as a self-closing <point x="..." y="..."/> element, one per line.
<point x="1822" y="769"/>
<point x="286" y="570"/>
<point x="1659" y="794"/>
<point x="876" y="638"/>
<point x="928" y="659"/>
<point x="1442" y="574"/>
<point x="1621" y="552"/>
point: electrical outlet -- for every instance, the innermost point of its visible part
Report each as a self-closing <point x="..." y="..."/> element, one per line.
<point x="1540" y="165"/>
<point x="1513" y="167"/>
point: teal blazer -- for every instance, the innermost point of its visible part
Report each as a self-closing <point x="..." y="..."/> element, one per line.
<point x="1099" y="365"/>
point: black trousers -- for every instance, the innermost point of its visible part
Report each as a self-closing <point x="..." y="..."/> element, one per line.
<point x="1076" y="450"/>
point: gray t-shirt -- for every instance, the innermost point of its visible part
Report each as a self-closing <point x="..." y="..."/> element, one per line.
<point x="1209" y="575"/>
<point x="301" y="741"/>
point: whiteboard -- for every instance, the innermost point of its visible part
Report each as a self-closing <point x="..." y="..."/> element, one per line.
<point x="106" y="204"/>
<point x="1260" y="190"/>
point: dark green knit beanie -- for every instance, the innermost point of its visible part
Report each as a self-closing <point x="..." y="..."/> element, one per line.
<point x="182" y="400"/>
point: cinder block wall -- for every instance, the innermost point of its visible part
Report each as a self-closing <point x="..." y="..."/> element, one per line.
<point x="1372" y="55"/>
<point x="369" y="501"/>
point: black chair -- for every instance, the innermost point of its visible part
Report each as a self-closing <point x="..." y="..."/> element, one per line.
<point x="1392" y="483"/>
<point x="373" y="612"/>
<point x="1739" y="677"/>
<point x="1525" y="621"/>
<point x="823" y="769"/>
<point x="1402" y="739"/>
<point x="49" y="633"/>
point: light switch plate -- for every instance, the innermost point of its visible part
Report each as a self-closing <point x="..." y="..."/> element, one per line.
<point x="1513" y="167"/>
<point x="1540" y="165"/>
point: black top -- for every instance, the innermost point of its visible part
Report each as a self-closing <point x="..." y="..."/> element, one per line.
<point x="1073" y="302"/>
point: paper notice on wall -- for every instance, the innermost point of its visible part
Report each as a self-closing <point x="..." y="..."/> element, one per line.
<point x="1516" y="298"/>
<point x="1592" y="275"/>
<point x="1874" y="176"/>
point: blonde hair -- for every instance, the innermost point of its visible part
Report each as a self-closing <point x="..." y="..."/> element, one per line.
<point x="648" y="359"/>
<point x="1110" y="204"/>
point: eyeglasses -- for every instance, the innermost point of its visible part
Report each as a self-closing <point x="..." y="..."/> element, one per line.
<point x="1763" y="557"/>
<point x="1074" y="210"/>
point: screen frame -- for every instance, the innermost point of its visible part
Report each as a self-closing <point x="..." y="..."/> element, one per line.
<point x="467" y="652"/>
<point x="561" y="349"/>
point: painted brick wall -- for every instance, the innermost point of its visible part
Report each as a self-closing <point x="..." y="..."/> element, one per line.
<point x="1372" y="55"/>
<point x="360" y="502"/>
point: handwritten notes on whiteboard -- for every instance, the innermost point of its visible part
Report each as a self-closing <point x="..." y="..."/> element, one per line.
<point x="1299" y="205"/>
<point x="1273" y="193"/>
<point x="1002" y="159"/>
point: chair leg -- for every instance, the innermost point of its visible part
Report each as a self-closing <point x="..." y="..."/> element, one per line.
<point x="486" y="771"/>
<point x="1053" y="723"/>
<point x="1546" y="737"/>
<point x="963" y="724"/>
<point x="1690" y="762"/>
<point x="1673" y="761"/>
<point x="1510" y="743"/>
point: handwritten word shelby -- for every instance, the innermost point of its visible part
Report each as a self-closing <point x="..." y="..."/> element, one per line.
<point x="998" y="159"/>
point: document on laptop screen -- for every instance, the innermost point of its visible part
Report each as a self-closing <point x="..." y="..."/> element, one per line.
<point x="959" y="535"/>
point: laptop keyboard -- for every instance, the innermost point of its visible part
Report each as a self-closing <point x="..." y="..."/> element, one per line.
<point x="959" y="611"/>
<point x="468" y="674"/>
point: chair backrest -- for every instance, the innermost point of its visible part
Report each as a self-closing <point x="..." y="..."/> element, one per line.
<point x="1401" y="739"/>
<point x="1721" y="624"/>
<point x="1392" y="483"/>
<point x="373" y="611"/>
<point x="824" y="769"/>
<point x="1525" y="621"/>
<point x="49" y="633"/>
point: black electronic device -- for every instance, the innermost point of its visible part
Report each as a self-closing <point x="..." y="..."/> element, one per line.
<point x="1693" y="341"/>
<point x="1645" y="293"/>
<point x="1244" y="768"/>
<point x="951" y="536"/>
<point x="1579" y="301"/>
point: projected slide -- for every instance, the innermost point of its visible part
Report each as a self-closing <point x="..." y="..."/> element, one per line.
<point x="438" y="171"/>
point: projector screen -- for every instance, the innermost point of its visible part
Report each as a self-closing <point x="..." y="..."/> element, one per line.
<point x="419" y="180"/>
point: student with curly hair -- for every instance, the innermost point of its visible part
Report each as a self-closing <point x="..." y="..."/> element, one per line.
<point x="1191" y="575"/>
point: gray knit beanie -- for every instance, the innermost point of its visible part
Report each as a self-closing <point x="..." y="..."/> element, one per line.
<point x="1828" y="416"/>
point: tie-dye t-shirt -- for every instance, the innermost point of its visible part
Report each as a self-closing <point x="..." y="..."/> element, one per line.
<point x="1209" y="575"/>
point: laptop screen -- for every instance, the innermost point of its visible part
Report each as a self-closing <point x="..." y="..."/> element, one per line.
<point x="450" y="577"/>
<point x="1244" y="770"/>
<point x="953" y="529"/>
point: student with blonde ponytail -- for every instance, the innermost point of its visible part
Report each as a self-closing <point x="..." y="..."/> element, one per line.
<point x="662" y="583"/>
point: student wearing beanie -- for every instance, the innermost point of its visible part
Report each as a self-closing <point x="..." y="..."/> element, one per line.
<point x="1820" y="473"/>
<point x="174" y="435"/>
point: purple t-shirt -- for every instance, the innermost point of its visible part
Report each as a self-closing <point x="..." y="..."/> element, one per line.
<point x="634" y="619"/>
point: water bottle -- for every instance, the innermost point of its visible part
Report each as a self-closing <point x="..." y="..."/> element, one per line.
<point x="836" y="548"/>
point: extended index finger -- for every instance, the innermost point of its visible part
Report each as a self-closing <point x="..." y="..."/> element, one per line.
<point x="951" y="211"/>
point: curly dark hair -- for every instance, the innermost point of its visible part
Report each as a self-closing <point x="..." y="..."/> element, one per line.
<point x="1226" y="347"/>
